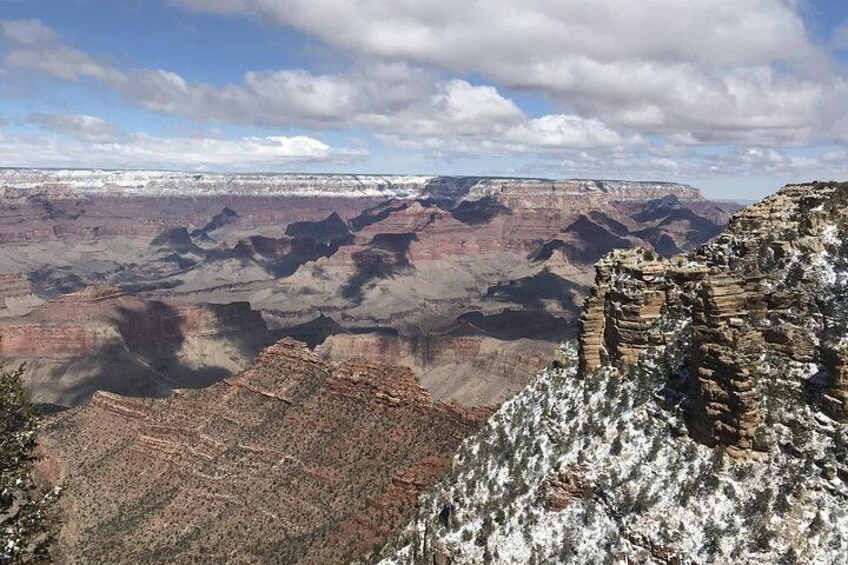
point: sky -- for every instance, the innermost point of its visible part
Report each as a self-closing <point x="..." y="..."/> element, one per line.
<point x="736" y="97"/>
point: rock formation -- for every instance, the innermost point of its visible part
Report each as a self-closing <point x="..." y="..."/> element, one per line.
<point x="700" y="419"/>
<point x="760" y="290"/>
<point x="473" y="370"/>
<point x="16" y="296"/>
<point x="295" y="460"/>
<point x="505" y="262"/>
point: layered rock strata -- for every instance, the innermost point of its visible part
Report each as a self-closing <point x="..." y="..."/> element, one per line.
<point x="768" y="291"/>
<point x="500" y="261"/>
<point x="295" y="460"/>
<point x="626" y="459"/>
<point x="623" y="315"/>
<point x="16" y="295"/>
<point x="473" y="370"/>
<point x="101" y="338"/>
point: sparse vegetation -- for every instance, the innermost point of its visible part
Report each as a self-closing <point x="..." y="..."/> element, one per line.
<point x="25" y="511"/>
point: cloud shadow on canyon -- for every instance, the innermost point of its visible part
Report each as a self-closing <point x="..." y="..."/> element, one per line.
<point x="386" y="256"/>
<point x="148" y="359"/>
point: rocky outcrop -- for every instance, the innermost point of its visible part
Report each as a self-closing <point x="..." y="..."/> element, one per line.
<point x="725" y="350"/>
<point x="565" y="486"/>
<point x="738" y="348"/>
<point x="16" y="295"/>
<point x="769" y="292"/>
<point x="295" y="460"/>
<point x="13" y="285"/>
<point x="623" y="316"/>
<point x="835" y="361"/>
<point x="472" y="369"/>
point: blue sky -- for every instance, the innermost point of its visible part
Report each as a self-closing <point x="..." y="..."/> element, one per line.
<point x="736" y="97"/>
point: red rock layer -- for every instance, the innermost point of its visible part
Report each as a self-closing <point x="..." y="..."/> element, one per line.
<point x="29" y="219"/>
<point x="12" y="285"/>
<point x="483" y="371"/>
<point x="84" y="322"/>
<point x="293" y="461"/>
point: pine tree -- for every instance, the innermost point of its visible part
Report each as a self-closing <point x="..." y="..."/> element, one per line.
<point x="24" y="511"/>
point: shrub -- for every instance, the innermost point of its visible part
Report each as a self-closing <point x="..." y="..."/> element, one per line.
<point x="24" y="511"/>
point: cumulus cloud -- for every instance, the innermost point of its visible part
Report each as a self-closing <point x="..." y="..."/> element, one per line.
<point x="401" y="104"/>
<point x="731" y="71"/>
<point x="90" y="128"/>
<point x="282" y="98"/>
<point x="499" y="34"/>
<point x="36" y="46"/>
<point x="195" y="153"/>
<point x="636" y="87"/>
<point x="463" y="119"/>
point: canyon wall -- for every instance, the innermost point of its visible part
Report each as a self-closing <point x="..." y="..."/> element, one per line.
<point x="765" y="293"/>
<point x="700" y="419"/>
<point x="488" y="273"/>
<point x="472" y="369"/>
<point x="101" y="338"/>
<point x="293" y="460"/>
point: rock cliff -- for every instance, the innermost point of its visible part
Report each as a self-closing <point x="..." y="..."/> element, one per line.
<point x="16" y="295"/>
<point x="769" y="288"/>
<point x="294" y="460"/>
<point x="472" y="369"/>
<point x="475" y="259"/>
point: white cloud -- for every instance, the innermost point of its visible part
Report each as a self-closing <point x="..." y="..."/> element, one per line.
<point x="145" y="151"/>
<point x="36" y="46"/>
<point x="566" y="131"/>
<point x="283" y="98"/>
<point x="492" y="35"/>
<point x="27" y="32"/>
<point x="718" y="71"/>
<point x="736" y="163"/>
<point x="90" y="128"/>
<point x="401" y="104"/>
<point x="636" y="87"/>
<point x="463" y="119"/>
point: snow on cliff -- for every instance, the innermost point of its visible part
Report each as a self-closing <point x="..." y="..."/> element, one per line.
<point x="165" y="183"/>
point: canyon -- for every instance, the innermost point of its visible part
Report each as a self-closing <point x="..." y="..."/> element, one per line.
<point x="470" y="281"/>
<point x="101" y="338"/>
<point x="292" y="359"/>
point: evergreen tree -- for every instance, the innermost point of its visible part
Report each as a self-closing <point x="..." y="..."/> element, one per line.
<point x="24" y="511"/>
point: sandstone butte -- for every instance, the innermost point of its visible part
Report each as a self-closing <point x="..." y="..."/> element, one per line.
<point x="295" y="460"/>
<point x="757" y="296"/>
